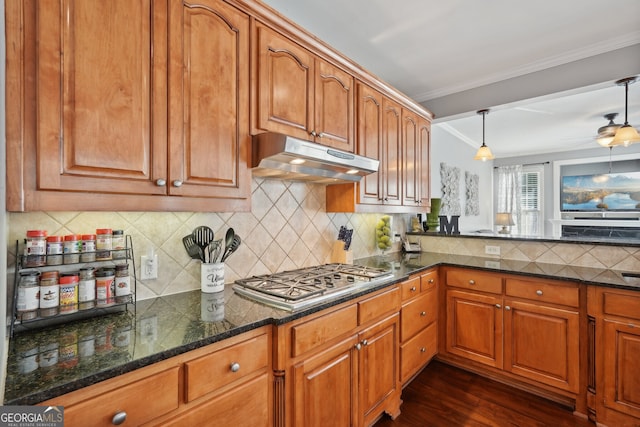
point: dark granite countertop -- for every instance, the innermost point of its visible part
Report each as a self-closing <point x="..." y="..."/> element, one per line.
<point x="49" y="362"/>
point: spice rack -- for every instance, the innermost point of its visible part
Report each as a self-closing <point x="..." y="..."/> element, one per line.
<point x="77" y="311"/>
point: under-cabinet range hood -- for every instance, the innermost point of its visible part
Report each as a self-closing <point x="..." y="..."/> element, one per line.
<point x="284" y="157"/>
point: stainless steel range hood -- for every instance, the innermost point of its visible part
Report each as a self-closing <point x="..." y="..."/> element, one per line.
<point x="284" y="157"/>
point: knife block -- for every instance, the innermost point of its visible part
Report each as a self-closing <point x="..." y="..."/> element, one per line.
<point x="339" y="255"/>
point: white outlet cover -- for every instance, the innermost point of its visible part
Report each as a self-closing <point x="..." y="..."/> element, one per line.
<point x="148" y="270"/>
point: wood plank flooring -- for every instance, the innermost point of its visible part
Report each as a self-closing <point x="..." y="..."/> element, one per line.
<point x="445" y="396"/>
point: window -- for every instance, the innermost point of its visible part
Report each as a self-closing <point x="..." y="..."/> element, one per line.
<point x="531" y="200"/>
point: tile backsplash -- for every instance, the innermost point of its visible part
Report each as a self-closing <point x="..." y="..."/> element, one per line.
<point x="287" y="228"/>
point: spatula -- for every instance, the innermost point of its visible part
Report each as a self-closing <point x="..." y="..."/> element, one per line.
<point x="202" y="236"/>
<point x="193" y="250"/>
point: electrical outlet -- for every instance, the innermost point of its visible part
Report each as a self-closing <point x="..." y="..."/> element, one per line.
<point x="492" y="250"/>
<point x="149" y="267"/>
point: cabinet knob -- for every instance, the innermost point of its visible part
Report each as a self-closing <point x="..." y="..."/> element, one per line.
<point x="358" y="346"/>
<point x="413" y="289"/>
<point x="386" y="199"/>
<point x="313" y="133"/>
<point x="539" y="292"/>
<point x="423" y="313"/>
<point x="506" y="307"/>
<point x="423" y="350"/>
<point x="177" y="183"/>
<point x="161" y="182"/>
<point x="472" y="282"/>
<point x="365" y="342"/>
<point x="430" y="280"/>
<point x="498" y="306"/>
<point x="119" y="418"/>
<point x="235" y="367"/>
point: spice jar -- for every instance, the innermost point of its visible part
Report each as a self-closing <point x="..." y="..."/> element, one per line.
<point x="105" y="287"/>
<point x="72" y="245"/>
<point x="103" y="244"/>
<point x="28" y="295"/>
<point x="86" y="288"/>
<point x="123" y="283"/>
<point x="69" y="294"/>
<point x="49" y="294"/>
<point x="36" y="248"/>
<point x="54" y="250"/>
<point x="118" y="244"/>
<point x="88" y="250"/>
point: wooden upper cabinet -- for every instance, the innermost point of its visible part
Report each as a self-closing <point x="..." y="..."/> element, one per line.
<point x="208" y="100"/>
<point x="416" y="138"/>
<point x="391" y="166"/>
<point x="96" y="124"/>
<point x="133" y="100"/>
<point x="370" y="142"/>
<point x="424" y="158"/>
<point x="301" y="95"/>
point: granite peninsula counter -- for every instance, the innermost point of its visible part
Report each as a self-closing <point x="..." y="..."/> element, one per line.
<point x="50" y="362"/>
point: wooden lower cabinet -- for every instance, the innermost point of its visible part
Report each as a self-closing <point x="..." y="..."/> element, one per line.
<point x="615" y="368"/>
<point x="341" y="365"/>
<point x="227" y="383"/>
<point x="527" y="329"/>
<point x="474" y="327"/>
<point x="542" y="344"/>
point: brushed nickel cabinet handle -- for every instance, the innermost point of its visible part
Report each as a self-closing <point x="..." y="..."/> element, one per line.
<point x="119" y="418"/>
<point x="413" y="289"/>
<point x="506" y="307"/>
<point x="539" y="292"/>
<point x="423" y="313"/>
<point x="423" y="350"/>
<point x="498" y="306"/>
<point x="177" y="183"/>
<point x="235" y="367"/>
<point x="472" y="282"/>
<point x="161" y="182"/>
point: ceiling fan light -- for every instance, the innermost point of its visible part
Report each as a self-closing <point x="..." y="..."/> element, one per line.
<point x="484" y="153"/>
<point x="626" y="136"/>
<point x="605" y="141"/>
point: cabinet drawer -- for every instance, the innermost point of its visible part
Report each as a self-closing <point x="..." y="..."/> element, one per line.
<point x="428" y="280"/>
<point x="410" y="288"/>
<point x="416" y="352"/>
<point x="322" y="329"/>
<point x="621" y="304"/>
<point x="379" y="305"/>
<point x="246" y="405"/>
<point x="555" y="293"/>
<point x="142" y="401"/>
<point x="476" y="280"/>
<point x="418" y="314"/>
<point x="209" y="373"/>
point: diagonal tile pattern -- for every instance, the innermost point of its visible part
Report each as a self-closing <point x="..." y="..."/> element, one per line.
<point x="287" y="228"/>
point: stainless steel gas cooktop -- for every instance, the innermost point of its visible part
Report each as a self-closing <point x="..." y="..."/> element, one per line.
<point x="296" y="289"/>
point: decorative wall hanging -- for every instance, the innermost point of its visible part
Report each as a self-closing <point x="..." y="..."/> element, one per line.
<point x="450" y="182"/>
<point x="472" y="204"/>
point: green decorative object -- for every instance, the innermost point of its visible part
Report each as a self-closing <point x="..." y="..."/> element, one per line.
<point x="433" y="222"/>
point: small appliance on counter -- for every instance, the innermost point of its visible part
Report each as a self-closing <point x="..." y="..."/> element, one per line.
<point x="409" y="247"/>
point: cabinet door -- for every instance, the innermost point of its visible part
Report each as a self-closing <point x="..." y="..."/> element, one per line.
<point x="621" y="373"/>
<point x="411" y="152"/>
<point x="284" y="85"/>
<point x="370" y="142"/>
<point x="209" y="100"/>
<point x="541" y="343"/>
<point x="474" y="327"/>
<point x="334" y="114"/>
<point x="101" y="103"/>
<point x="424" y="158"/>
<point x="391" y="152"/>
<point x="379" y="364"/>
<point x="324" y="387"/>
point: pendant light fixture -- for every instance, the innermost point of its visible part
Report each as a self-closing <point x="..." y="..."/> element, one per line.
<point x="484" y="153"/>
<point x="626" y="134"/>
<point x="608" y="132"/>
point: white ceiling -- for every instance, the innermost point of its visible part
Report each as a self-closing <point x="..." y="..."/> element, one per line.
<point x="543" y="67"/>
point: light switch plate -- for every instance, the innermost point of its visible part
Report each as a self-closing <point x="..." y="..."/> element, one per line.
<point x="492" y="250"/>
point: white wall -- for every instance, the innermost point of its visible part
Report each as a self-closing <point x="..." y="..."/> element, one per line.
<point x="450" y="150"/>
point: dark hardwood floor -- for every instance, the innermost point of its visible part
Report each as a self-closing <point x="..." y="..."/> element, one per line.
<point x="445" y="396"/>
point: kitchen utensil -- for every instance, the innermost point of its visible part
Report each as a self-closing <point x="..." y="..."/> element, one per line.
<point x="228" y="241"/>
<point x="202" y="236"/>
<point x="215" y="248"/>
<point x="234" y="246"/>
<point x="192" y="248"/>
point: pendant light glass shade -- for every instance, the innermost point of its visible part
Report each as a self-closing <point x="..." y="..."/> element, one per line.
<point x="626" y="134"/>
<point x="607" y="132"/>
<point x="484" y="153"/>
